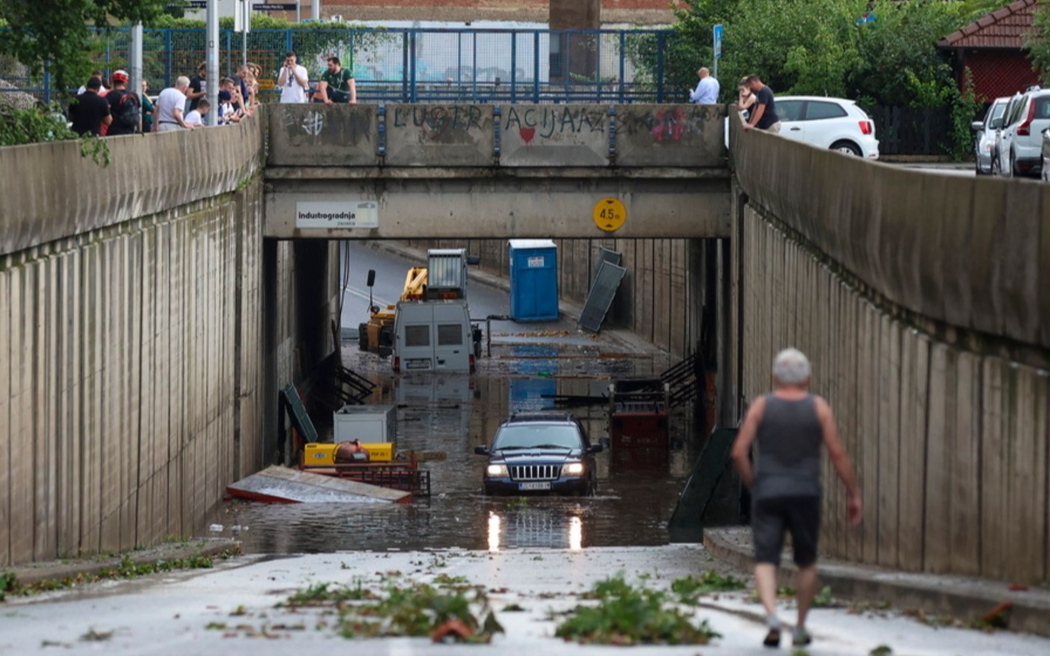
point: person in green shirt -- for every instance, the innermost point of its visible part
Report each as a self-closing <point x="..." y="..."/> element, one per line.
<point x="337" y="85"/>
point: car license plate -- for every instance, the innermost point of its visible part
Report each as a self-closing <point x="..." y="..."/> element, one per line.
<point x="544" y="485"/>
<point x="417" y="364"/>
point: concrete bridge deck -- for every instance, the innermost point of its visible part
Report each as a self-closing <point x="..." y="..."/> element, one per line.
<point x="484" y="171"/>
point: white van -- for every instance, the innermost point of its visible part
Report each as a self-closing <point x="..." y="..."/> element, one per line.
<point x="434" y="336"/>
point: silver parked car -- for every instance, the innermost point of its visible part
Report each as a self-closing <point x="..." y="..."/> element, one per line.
<point x="985" y="128"/>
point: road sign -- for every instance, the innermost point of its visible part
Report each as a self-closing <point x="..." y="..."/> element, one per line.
<point x="269" y="6"/>
<point x="610" y="214"/>
<point x="718" y="41"/>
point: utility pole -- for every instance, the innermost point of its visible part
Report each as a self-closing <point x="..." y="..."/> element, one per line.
<point x="135" y="83"/>
<point x="212" y="83"/>
<point x="315" y="9"/>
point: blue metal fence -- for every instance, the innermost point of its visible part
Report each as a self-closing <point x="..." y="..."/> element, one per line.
<point x="412" y="65"/>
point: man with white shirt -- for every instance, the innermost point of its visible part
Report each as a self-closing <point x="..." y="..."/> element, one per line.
<point x="293" y="80"/>
<point x="706" y="92"/>
<point x="169" y="107"/>
<point x="196" y="116"/>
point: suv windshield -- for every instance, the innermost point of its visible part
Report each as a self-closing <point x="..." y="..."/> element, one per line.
<point x="531" y="436"/>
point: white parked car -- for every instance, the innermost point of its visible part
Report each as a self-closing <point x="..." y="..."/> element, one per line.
<point x="834" y="123"/>
<point x="985" y="138"/>
<point x="1019" y="143"/>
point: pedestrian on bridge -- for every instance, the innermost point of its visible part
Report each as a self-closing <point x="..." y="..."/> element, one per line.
<point x="790" y="425"/>
<point x="706" y="92"/>
<point x="764" y="110"/>
<point x="293" y="79"/>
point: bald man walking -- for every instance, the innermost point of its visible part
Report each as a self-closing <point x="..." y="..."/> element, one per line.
<point x="790" y="426"/>
<point x="706" y="92"/>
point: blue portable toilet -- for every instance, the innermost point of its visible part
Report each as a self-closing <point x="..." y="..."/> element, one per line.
<point x="533" y="280"/>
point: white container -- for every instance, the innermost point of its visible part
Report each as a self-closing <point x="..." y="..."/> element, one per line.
<point x="368" y="423"/>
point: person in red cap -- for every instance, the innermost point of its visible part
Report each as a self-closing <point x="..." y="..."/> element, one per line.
<point x="124" y="106"/>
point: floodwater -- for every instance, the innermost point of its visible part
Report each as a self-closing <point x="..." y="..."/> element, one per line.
<point x="451" y="414"/>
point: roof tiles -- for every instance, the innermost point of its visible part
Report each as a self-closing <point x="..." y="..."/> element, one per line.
<point x="1003" y="28"/>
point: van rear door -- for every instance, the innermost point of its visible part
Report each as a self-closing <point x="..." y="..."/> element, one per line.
<point x="452" y="342"/>
<point x="415" y="339"/>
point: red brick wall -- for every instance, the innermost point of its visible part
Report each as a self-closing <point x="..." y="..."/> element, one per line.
<point x="999" y="73"/>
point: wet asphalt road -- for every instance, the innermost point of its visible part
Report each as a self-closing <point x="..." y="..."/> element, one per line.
<point x="450" y="414"/>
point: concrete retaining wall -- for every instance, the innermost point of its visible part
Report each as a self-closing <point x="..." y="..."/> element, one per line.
<point x="918" y="303"/>
<point x="130" y="379"/>
<point x="137" y="375"/>
<point x="49" y="191"/>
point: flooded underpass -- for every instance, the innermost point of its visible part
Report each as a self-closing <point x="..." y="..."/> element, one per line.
<point x="446" y="415"/>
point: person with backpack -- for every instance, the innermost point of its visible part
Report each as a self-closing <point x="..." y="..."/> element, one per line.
<point x="124" y="106"/>
<point x="337" y="85"/>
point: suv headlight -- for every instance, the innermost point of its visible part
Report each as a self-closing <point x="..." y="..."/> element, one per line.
<point x="496" y="470"/>
<point x="572" y="469"/>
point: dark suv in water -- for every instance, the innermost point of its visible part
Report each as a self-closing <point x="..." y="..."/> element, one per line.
<point x="540" y="452"/>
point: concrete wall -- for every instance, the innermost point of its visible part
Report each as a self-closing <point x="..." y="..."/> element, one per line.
<point x="137" y="375"/>
<point x="660" y="298"/>
<point x="918" y="299"/>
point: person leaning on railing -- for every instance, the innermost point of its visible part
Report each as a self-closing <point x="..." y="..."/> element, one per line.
<point x="337" y="85"/>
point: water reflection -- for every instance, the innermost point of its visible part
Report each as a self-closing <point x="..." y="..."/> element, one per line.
<point x="535" y="527"/>
<point x="448" y="415"/>
<point x="494" y="532"/>
<point x="575" y="534"/>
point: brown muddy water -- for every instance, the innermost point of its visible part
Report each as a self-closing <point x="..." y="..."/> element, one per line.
<point x="454" y="413"/>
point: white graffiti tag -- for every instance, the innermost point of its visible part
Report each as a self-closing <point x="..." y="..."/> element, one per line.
<point x="313" y="123"/>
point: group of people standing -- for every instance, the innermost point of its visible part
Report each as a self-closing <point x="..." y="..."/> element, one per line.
<point x="753" y="97"/>
<point x="114" y="110"/>
<point x="108" y="111"/>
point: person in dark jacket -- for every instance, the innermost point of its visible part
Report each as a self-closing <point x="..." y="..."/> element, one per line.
<point x="90" y="111"/>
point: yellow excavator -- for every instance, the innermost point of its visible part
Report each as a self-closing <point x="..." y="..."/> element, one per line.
<point x="447" y="279"/>
<point x="377" y="335"/>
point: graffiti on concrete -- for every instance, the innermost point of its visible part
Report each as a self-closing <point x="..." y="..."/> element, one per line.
<point x="441" y="124"/>
<point x="313" y="123"/>
<point x="553" y="122"/>
<point x="663" y="124"/>
<point x="439" y="118"/>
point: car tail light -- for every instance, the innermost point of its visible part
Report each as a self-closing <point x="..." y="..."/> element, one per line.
<point x="473" y="366"/>
<point x="866" y="127"/>
<point x="397" y="365"/>
<point x="1025" y="128"/>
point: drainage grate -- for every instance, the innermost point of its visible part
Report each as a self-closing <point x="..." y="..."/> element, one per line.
<point x="601" y="296"/>
<point x="535" y="472"/>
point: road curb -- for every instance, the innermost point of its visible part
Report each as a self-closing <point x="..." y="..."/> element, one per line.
<point x="967" y="599"/>
<point x="33" y="573"/>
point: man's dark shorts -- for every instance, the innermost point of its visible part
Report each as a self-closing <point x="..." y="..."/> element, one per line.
<point x="771" y="517"/>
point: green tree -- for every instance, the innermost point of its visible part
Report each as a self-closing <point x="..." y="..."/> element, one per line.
<point x="59" y="35"/>
<point x="1037" y="42"/>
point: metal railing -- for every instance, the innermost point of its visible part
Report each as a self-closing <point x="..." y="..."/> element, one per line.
<point x="409" y="65"/>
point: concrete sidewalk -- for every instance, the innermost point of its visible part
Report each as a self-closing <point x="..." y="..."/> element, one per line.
<point x="958" y="597"/>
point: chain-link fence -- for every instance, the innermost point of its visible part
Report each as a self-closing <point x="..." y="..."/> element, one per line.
<point x="409" y="65"/>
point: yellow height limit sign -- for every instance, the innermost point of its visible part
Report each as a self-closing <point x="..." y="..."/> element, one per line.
<point x="610" y="214"/>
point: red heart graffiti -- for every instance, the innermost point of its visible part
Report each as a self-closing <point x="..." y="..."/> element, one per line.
<point x="527" y="134"/>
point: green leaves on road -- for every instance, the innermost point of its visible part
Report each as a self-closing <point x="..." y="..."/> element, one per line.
<point x="631" y="615"/>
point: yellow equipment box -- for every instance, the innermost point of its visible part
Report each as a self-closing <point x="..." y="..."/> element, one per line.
<point x="317" y="454"/>
<point x="380" y="451"/>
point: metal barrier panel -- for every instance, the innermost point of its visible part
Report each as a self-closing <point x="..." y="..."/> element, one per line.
<point x="485" y="66"/>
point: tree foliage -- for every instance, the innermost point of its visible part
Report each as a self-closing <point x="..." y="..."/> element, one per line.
<point x="820" y="47"/>
<point x="60" y="35"/>
<point x="1037" y="42"/>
